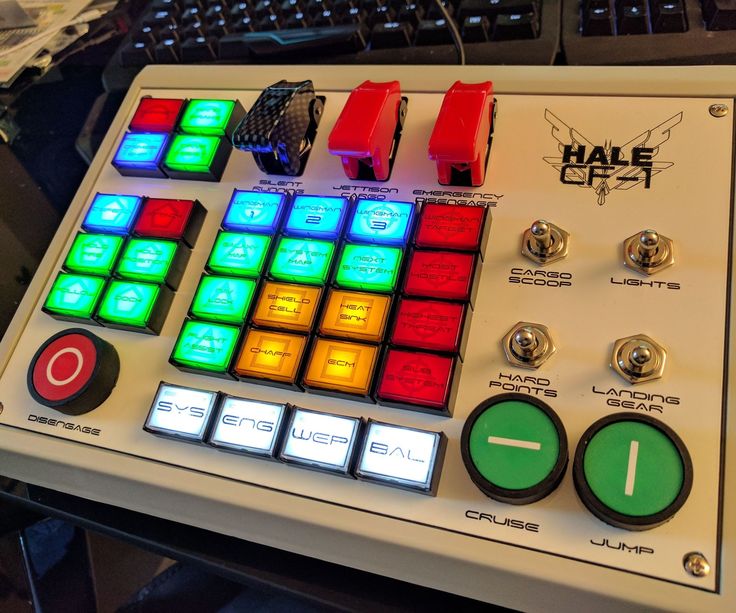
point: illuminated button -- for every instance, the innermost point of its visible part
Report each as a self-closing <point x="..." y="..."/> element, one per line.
<point x="429" y="324"/>
<point x="254" y="212"/>
<point x="287" y="306"/>
<point x="205" y="346"/>
<point x="73" y="372"/>
<point x="168" y="218"/>
<point x="632" y="471"/>
<point x="381" y="221"/>
<point x="153" y="260"/>
<point x="156" y="115"/>
<point x="73" y="297"/>
<point x="216" y="117"/>
<point x="341" y="367"/>
<point x="130" y="305"/>
<point x="514" y="448"/>
<point x="417" y="379"/>
<point x="180" y="412"/>
<point x="369" y="267"/>
<point x="316" y="217"/>
<point x="239" y="254"/>
<point x="111" y="214"/>
<point x="440" y="274"/>
<point x="451" y="226"/>
<point x="93" y="253"/>
<point x="401" y="457"/>
<point x="321" y="441"/>
<point x="248" y="426"/>
<point x="139" y="155"/>
<point x="200" y="158"/>
<point x="223" y="298"/>
<point x="304" y="260"/>
<point x="273" y="356"/>
<point x="355" y="315"/>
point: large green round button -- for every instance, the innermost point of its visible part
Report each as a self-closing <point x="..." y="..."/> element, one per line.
<point x="515" y="448"/>
<point x="632" y="471"/>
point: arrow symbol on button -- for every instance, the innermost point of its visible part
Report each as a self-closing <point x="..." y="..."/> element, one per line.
<point x="512" y="442"/>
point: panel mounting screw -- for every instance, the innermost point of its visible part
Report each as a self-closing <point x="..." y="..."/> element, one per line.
<point x="718" y="110"/>
<point x="696" y="565"/>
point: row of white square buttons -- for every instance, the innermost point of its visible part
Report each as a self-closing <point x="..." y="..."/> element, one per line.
<point x="389" y="454"/>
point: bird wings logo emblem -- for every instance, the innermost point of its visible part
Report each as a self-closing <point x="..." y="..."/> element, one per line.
<point x="604" y="168"/>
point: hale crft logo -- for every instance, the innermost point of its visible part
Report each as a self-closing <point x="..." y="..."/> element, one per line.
<point x="604" y="168"/>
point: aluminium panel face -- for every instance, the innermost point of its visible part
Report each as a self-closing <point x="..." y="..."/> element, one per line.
<point x="587" y="300"/>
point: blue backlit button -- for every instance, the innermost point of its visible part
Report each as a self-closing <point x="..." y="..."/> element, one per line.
<point x="248" y="426"/>
<point x="111" y="213"/>
<point x="139" y="155"/>
<point x="316" y="217"/>
<point x="180" y="412"/>
<point x="402" y="457"/>
<point x="385" y="222"/>
<point x="254" y="212"/>
<point x="320" y="441"/>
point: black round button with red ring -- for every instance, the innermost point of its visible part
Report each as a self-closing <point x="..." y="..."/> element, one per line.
<point x="74" y="371"/>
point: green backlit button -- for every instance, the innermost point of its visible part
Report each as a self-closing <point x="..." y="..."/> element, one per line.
<point x="131" y="305"/>
<point x="632" y="471"/>
<point x="514" y="448"/>
<point x="93" y="253"/>
<point x="74" y="297"/>
<point x="369" y="267"/>
<point x="216" y="117"/>
<point x="239" y="254"/>
<point x="303" y="260"/>
<point x="155" y="261"/>
<point x="223" y="298"/>
<point x="197" y="157"/>
<point x="205" y="346"/>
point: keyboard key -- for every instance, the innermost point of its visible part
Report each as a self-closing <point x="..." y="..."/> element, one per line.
<point x="411" y="13"/>
<point x="297" y="20"/>
<point x="146" y="35"/>
<point x="199" y="49"/>
<point x="493" y="8"/>
<point x="598" y="22"/>
<point x="392" y="34"/>
<point x="136" y="54"/>
<point x="168" y="51"/>
<point x="515" y="27"/>
<point x="475" y="29"/>
<point x="720" y="14"/>
<point x="433" y="33"/>
<point x="633" y="19"/>
<point x="158" y="19"/>
<point x="668" y="16"/>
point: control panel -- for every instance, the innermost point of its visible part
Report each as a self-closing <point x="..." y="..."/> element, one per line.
<point x="469" y="330"/>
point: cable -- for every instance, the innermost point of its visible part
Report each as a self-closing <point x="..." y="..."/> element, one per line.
<point x="454" y="32"/>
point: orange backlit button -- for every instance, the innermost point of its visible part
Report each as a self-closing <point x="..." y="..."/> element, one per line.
<point x="355" y="315"/>
<point x="341" y="367"/>
<point x="287" y="306"/>
<point x="271" y="356"/>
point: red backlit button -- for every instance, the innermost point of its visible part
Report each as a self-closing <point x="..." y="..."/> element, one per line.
<point x="429" y="324"/>
<point x="74" y="371"/>
<point x="175" y="219"/>
<point x="459" y="141"/>
<point x="451" y="226"/>
<point x="440" y="274"/>
<point x="156" y="115"/>
<point x="365" y="131"/>
<point x="417" y="380"/>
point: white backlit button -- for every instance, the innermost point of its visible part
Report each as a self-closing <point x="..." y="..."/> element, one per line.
<point x="402" y="457"/>
<point x="180" y="412"/>
<point x="248" y="426"/>
<point x="320" y="441"/>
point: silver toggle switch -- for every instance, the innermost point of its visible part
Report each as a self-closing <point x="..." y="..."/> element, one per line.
<point x="528" y="345"/>
<point x="638" y="358"/>
<point x="544" y="242"/>
<point x="648" y="252"/>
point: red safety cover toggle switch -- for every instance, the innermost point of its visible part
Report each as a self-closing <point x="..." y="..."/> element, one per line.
<point x="460" y="136"/>
<point x="365" y="130"/>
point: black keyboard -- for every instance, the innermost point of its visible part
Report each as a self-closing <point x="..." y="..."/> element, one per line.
<point x="533" y="32"/>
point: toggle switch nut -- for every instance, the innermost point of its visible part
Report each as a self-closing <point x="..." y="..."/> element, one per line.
<point x="648" y="252"/>
<point x="638" y="358"/>
<point x="528" y="345"/>
<point x="544" y="242"/>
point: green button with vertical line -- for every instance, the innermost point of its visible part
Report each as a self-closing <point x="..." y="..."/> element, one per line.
<point x="514" y="448"/>
<point x="632" y="471"/>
